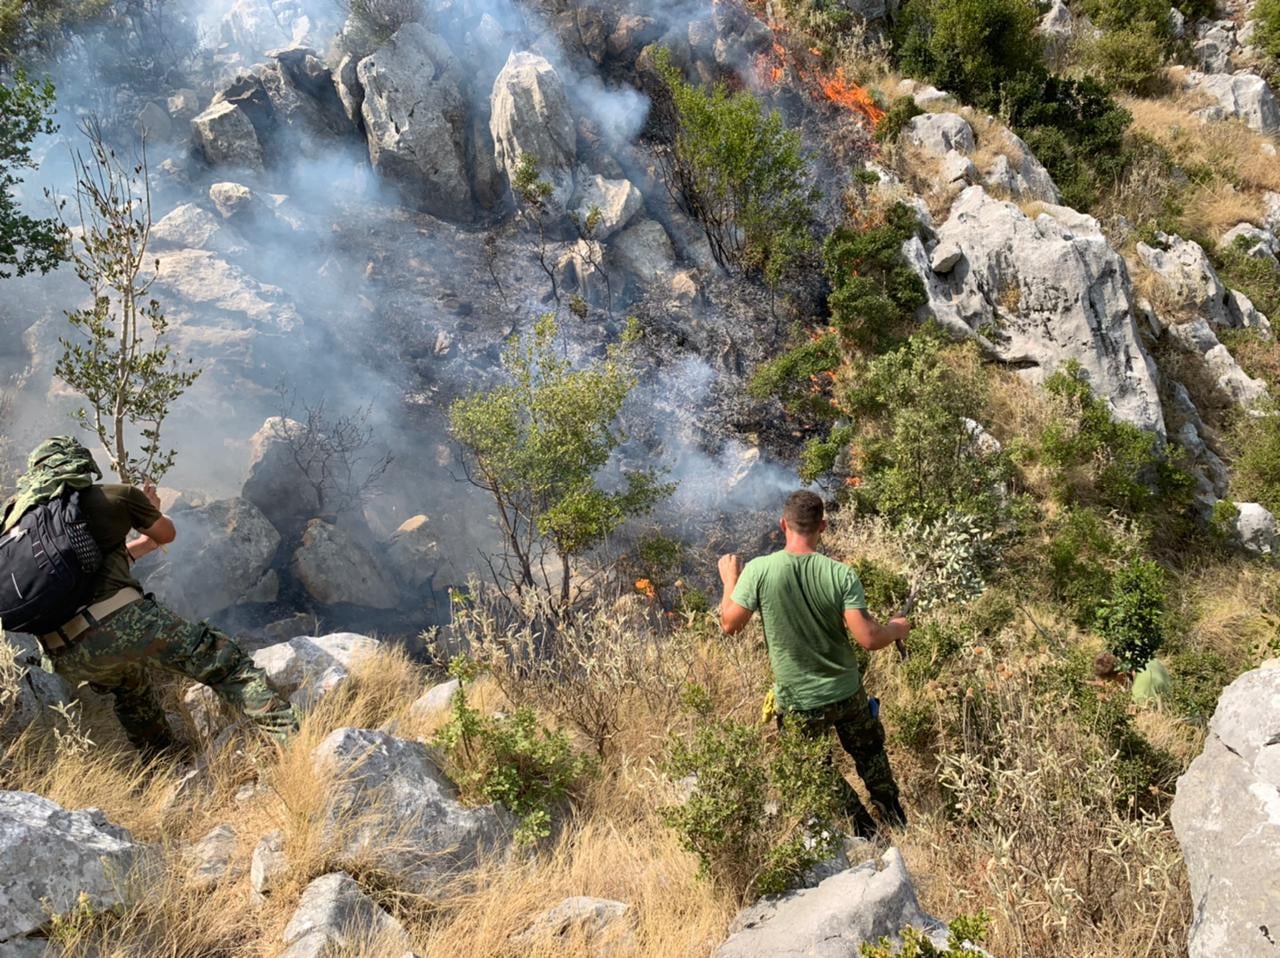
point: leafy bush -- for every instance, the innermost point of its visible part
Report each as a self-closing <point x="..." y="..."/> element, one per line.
<point x="885" y="588"/>
<point x="742" y="174"/>
<point x="969" y="47"/>
<point x="1130" y="57"/>
<point x="1132" y="618"/>
<point x="30" y="25"/>
<point x="26" y="244"/>
<point x="1256" y="473"/>
<point x="875" y="294"/>
<point x="1081" y="553"/>
<point x="901" y="112"/>
<point x="963" y="932"/>
<point x="1266" y="33"/>
<point x="1199" y="676"/>
<point x="511" y="759"/>
<point x="1118" y="14"/>
<point x="796" y="377"/>
<point x="758" y="816"/>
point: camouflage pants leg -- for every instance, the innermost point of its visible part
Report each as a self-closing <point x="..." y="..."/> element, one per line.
<point x="115" y="655"/>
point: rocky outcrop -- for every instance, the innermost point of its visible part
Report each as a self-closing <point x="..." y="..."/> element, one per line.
<point x="415" y="117"/>
<point x="1233" y="384"/>
<point x="1038" y="293"/>
<point x="529" y="113"/>
<point x="51" y="857"/>
<point x="599" y="922"/>
<point x="225" y="136"/>
<point x="189" y="227"/>
<point x="1239" y="96"/>
<point x="1192" y="285"/>
<point x="34" y="691"/>
<point x="393" y="808"/>
<point x="854" y="907"/>
<point x="222" y="557"/>
<point x="1227" y="818"/>
<point x="414" y="553"/>
<point x="334" y="914"/>
<point x="435" y="700"/>
<point x="277" y="482"/>
<point x="939" y="133"/>
<point x="303" y="663"/>
<point x="1256" y="529"/>
<point x="643" y="252"/>
<point x="617" y="201"/>
<point x="336" y="568"/>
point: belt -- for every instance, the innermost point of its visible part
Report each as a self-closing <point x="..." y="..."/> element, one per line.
<point x="86" y="620"/>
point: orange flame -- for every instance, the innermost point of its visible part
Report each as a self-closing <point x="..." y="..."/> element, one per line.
<point x="839" y="89"/>
<point x="646" y="588"/>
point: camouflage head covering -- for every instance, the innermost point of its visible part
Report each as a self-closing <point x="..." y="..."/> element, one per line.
<point x="54" y="467"/>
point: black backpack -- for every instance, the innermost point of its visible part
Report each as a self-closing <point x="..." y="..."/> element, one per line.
<point x="48" y="563"/>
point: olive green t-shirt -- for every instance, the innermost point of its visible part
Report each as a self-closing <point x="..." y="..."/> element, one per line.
<point x="801" y="600"/>
<point x="111" y="513"/>
<point x="1152" y="683"/>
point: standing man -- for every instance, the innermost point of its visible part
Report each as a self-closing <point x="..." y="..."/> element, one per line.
<point x="113" y="642"/>
<point x="809" y="605"/>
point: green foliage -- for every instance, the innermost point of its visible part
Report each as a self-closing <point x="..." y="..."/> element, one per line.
<point x="875" y="294"/>
<point x="1081" y="554"/>
<point x="536" y="443"/>
<point x="510" y="759"/>
<point x="933" y="647"/>
<point x="117" y="357"/>
<point x="821" y="453"/>
<point x="1101" y="459"/>
<point x="886" y="589"/>
<point x="1118" y="14"/>
<point x="1254" y="276"/>
<point x="27" y="244"/>
<point x="793" y="377"/>
<point x="1132" y="617"/>
<point x="1266" y="33"/>
<point x="901" y="112"/>
<point x="742" y="174"/>
<point x="1256" y="473"/>
<point x="969" y="47"/>
<point x="1130" y="57"/>
<point x="1199" y="675"/>
<point x="758" y="815"/>
<point x="1073" y="127"/>
<point x="28" y="26"/>
<point x="964" y="931"/>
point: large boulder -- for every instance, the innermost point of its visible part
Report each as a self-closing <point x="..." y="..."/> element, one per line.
<point x="303" y="662"/>
<point x="189" y="227"/>
<point x="939" y="133"/>
<point x="1234" y="385"/>
<point x="1017" y="172"/>
<point x="222" y="556"/>
<point x="34" y="690"/>
<point x="414" y="552"/>
<point x="277" y="482"/>
<point x="226" y="137"/>
<point x="618" y="201"/>
<point x="337" y="569"/>
<point x="833" y="920"/>
<point x="334" y="914"/>
<point x="392" y="808"/>
<point x="1239" y="96"/>
<point x="601" y="922"/>
<point x="51" y="859"/>
<point x="416" y="119"/>
<point x="1183" y="270"/>
<point x="303" y="96"/>
<point x="1226" y="814"/>
<point x="529" y="113"/>
<point x="1256" y="529"/>
<point x="1038" y="293"/>
<point x="643" y="252"/>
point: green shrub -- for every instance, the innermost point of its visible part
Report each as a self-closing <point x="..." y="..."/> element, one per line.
<point x="1130" y="57"/>
<point x="901" y="112"/>
<point x="791" y="377"/>
<point x="1118" y="14"/>
<point x="875" y="294"/>
<point x="964" y="931"/>
<point x="1199" y="676"/>
<point x="1132" y="617"/>
<point x="742" y="174"/>
<point x="510" y="759"/>
<point x="885" y="589"/>
<point x="821" y="453"/>
<point x="933" y="647"/>
<point x="1081" y="553"/>
<point x="38" y="25"/>
<point x="1256" y="473"/>
<point x="968" y="47"/>
<point x="1266" y="33"/>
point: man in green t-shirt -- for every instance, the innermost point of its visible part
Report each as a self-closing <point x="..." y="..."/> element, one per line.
<point x="809" y="605"/>
<point x="1151" y="683"/>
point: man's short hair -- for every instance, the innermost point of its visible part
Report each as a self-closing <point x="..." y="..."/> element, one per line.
<point x="1106" y="665"/>
<point x="803" y="512"/>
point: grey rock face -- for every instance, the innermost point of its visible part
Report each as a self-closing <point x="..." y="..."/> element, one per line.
<point x="861" y="905"/>
<point x="276" y="484"/>
<point x="1183" y="268"/>
<point x="50" y="856"/>
<point x="36" y="689"/>
<point x="414" y="552"/>
<point x="415" y="117"/>
<point x="393" y="806"/>
<point x="211" y="856"/>
<point x="334" y="568"/>
<point x="226" y="137"/>
<point x="1023" y="176"/>
<point x="599" y="920"/>
<point x="618" y="201"/>
<point x="188" y="226"/>
<point x="223" y="554"/>
<point x="302" y="663"/>
<point x="1256" y="528"/>
<point x="268" y="864"/>
<point x="335" y="913"/>
<point x="436" y="699"/>
<point x="644" y="252"/>
<point x="1039" y="293"/>
<point x="939" y="133"/>
<point x="1239" y="96"/>
<point x="1232" y="382"/>
<point x="529" y="113"/>
<point x="1217" y="41"/>
<point x="1227" y="818"/>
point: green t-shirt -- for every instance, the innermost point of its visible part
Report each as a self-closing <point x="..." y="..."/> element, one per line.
<point x="801" y="600"/>
<point x="1152" y="682"/>
<point x="111" y="512"/>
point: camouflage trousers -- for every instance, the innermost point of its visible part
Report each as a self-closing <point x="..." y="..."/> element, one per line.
<point x="116" y="657"/>
<point x="861" y="735"/>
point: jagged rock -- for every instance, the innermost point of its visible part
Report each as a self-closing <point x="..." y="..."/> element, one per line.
<point x="210" y="858"/>
<point x="183" y="105"/>
<point x="632" y="34"/>
<point x="1256" y="528"/>
<point x="226" y="137"/>
<point x="529" y="113"/>
<point x="153" y="123"/>
<point x="1257" y="243"/>
<point x="644" y="252"/>
<point x="861" y="905"/>
<point x="50" y="857"/>
<point x="436" y="699"/>
<point x="958" y="168"/>
<point x="925" y="95"/>
<point x="1217" y="41"/>
<point x="1183" y="268"/>
<point x="1177" y="23"/>
<point x="197" y="280"/>
<point x="303" y="97"/>
<point x="939" y="133"/>
<point x="1058" y="25"/>
<point x="598" y="921"/>
<point x="415" y="116"/>
<point x="1189" y="432"/>
<point x="1023" y="178"/>
<point x="414" y="552"/>
<point x="235" y="202"/>
<point x="1271" y="211"/>
<point x="276" y="483"/>
<point x="307" y="697"/>
<point x="1232" y="381"/>
<point x="617" y="200"/>
<point x="335" y="569"/>
<point x="1226" y="818"/>
<point x="1040" y="292"/>
<point x="223" y="552"/>
<point x="1239" y="96"/>
<point x="189" y="227"/>
<point x="251" y="25"/>
<point x="385" y="786"/>
<point x="305" y="661"/>
<point x="206" y="713"/>
<point x="268" y="864"/>
<point x="37" y="690"/>
<point x="945" y="256"/>
<point x="334" y="914"/>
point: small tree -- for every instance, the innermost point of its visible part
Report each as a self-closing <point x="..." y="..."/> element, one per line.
<point x="533" y="206"/>
<point x="536" y="444"/>
<point x="26" y="244"/>
<point x="119" y="360"/>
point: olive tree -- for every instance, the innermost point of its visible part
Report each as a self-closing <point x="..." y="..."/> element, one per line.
<point x="27" y="244"/>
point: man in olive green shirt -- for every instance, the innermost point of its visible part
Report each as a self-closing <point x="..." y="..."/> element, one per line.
<point x="1151" y="683"/>
<point x="809" y="605"/>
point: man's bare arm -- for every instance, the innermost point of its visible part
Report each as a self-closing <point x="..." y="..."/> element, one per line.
<point x="733" y="617"/>
<point x="872" y="635"/>
<point x="158" y="534"/>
